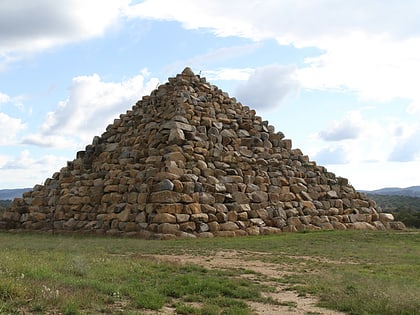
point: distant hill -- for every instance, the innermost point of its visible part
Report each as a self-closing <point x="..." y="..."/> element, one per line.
<point x="413" y="191"/>
<point x="8" y="194"/>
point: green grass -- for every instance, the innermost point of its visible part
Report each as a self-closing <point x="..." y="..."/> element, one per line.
<point x="356" y="272"/>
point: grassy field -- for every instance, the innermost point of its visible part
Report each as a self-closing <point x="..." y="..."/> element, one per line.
<point x="356" y="272"/>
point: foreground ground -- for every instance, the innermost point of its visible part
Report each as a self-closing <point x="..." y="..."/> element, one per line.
<point x="341" y="272"/>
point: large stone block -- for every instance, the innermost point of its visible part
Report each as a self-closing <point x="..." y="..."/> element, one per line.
<point x="168" y="228"/>
<point x="169" y="208"/>
<point x="165" y="196"/>
<point x="386" y="217"/>
<point x="164" y="218"/>
<point x="176" y="136"/>
<point x="228" y="226"/>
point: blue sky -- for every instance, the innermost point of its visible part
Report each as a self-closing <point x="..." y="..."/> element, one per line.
<point x="339" y="78"/>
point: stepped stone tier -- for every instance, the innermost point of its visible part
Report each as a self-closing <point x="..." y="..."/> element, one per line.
<point x="190" y="161"/>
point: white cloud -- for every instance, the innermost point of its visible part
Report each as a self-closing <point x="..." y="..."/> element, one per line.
<point x="91" y="105"/>
<point x="375" y="67"/>
<point x="335" y="154"/>
<point x="26" y="171"/>
<point x="47" y="141"/>
<point x="14" y="100"/>
<point x="288" y="21"/>
<point x="268" y="86"/>
<point x="358" y="139"/>
<point x="10" y="127"/>
<point x="224" y="18"/>
<point x="34" y="26"/>
<point x="4" y="98"/>
<point x="348" y="128"/>
<point x="370" y="48"/>
<point x="21" y="162"/>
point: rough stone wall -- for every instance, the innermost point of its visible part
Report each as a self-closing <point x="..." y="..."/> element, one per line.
<point x="190" y="161"/>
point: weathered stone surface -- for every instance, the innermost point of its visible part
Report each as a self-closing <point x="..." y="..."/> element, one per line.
<point x="240" y="197"/>
<point x="164" y="218"/>
<point x="338" y="225"/>
<point x="396" y="225"/>
<point x="332" y="194"/>
<point x="386" y="217"/>
<point x="361" y="226"/>
<point x="190" y="161"/>
<point x="228" y="226"/>
<point x="176" y="136"/>
<point x="268" y="230"/>
<point x="171" y="208"/>
<point x="257" y="222"/>
<point x="165" y="197"/>
<point x="203" y="217"/>
<point x="164" y="184"/>
<point x="124" y="215"/>
<point x="214" y="226"/>
<point x="379" y="225"/>
<point x="173" y="125"/>
<point x="188" y="226"/>
<point x="206" y="235"/>
<point x="259" y="196"/>
<point x="168" y="228"/>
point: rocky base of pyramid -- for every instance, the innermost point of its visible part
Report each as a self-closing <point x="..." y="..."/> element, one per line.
<point x="204" y="225"/>
<point x="189" y="161"/>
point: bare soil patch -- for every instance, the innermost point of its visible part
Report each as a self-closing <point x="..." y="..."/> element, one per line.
<point x="288" y="302"/>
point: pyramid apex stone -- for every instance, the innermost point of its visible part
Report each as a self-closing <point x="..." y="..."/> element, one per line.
<point x="188" y="72"/>
<point x="190" y="161"/>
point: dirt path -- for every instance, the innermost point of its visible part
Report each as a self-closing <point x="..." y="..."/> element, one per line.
<point x="289" y="302"/>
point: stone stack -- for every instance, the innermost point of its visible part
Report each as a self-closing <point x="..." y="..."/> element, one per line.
<point x="190" y="161"/>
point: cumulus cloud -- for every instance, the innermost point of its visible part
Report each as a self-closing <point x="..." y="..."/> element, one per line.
<point x="268" y="86"/>
<point x="375" y="67"/>
<point x="91" y="105"/>
<point x="25" y="170"/>
<point x="335" y="154"/>
<point x="10" y="127"/>
<point x="35" y="25"/>
<point x="362" y="50"/>
<point x="14" y="100"/>
<point x="287" y="21"/>
<point x="21" y="162"/>
<point x="4" y="98"/>
<point x="365" y="138"/>
<point x="348" y="128"/>
<point x="47" y="141"/>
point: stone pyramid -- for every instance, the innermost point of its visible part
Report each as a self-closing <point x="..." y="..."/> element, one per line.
<point x="190" y="161"/>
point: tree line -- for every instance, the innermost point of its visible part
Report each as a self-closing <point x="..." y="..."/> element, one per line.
<point x="404" y="208"/>
<point x="5" y="203"/>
